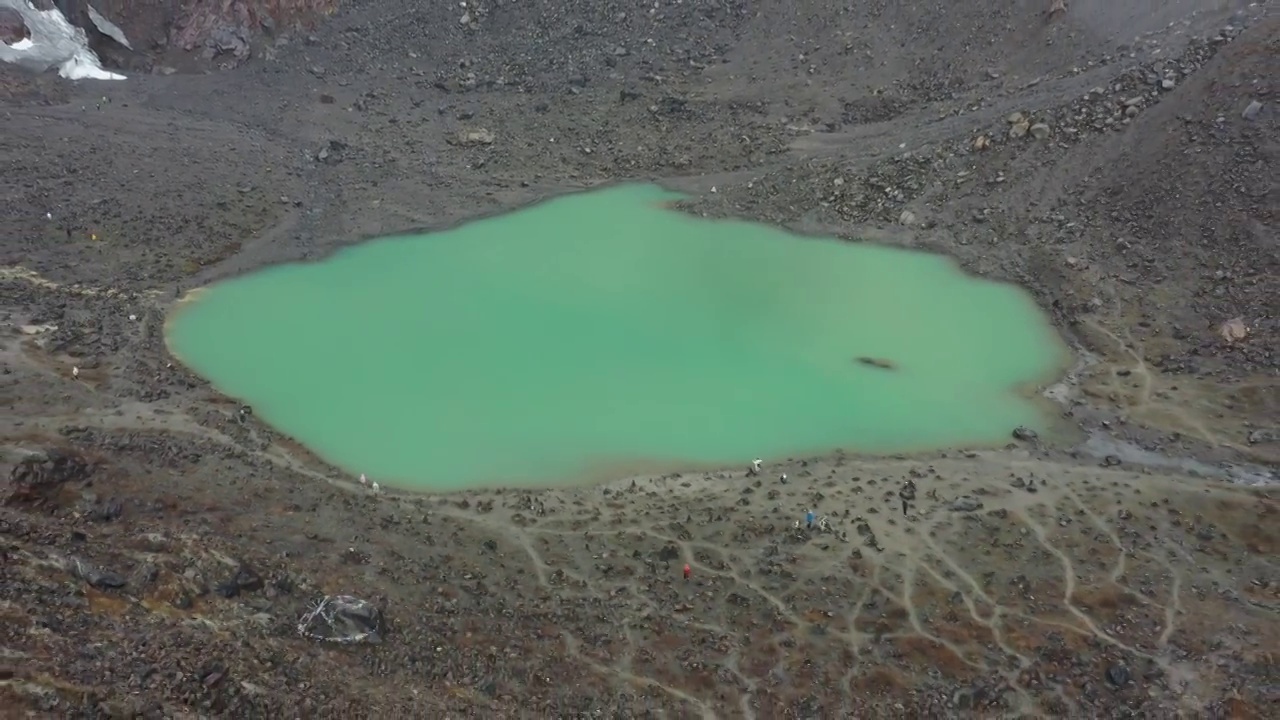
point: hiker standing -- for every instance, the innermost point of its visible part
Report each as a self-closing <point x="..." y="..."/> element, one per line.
<point x="908" y="495"/>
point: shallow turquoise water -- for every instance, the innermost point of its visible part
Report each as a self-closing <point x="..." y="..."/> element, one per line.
<point x="603" y="331"/>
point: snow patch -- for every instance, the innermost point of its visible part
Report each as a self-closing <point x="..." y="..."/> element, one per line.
<point x="56" y="43"/>
<point x="108" y="28"/>
<point x="85" y="66"/>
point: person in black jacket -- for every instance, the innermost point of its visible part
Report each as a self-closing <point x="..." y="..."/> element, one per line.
<point x="908" y="495"/>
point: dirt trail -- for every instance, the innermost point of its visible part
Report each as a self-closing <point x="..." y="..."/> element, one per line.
<point x="930" y="553"/>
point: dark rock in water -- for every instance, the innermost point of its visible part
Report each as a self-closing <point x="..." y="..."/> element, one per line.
<point x="1025" y="434"/>
<point x="880" y="363"/>
<point x="1118" y="675"/>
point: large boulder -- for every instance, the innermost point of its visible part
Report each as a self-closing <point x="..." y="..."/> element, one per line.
<point x="343" y="619"/>
<point x="38" y="479"/>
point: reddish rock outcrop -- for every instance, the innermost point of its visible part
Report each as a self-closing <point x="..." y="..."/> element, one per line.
<point x="201" y="21"/>
<point x="12" y="28"/>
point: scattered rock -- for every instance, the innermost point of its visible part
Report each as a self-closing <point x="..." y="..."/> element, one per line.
<point x="93" y="575"/>
<point x="966" y="503"/>
<point x="1040" y="131"/>
<point x="1118" y="675"/>
<point x="247" y="580"/>
<point x="1257" y="437"/>
<point x="106" y="511"/>
<point x="1252" y="110"/>
<point x="1025" y="434"/>
<point x="1233" y="330"/>
<point x="479" y="136"/>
